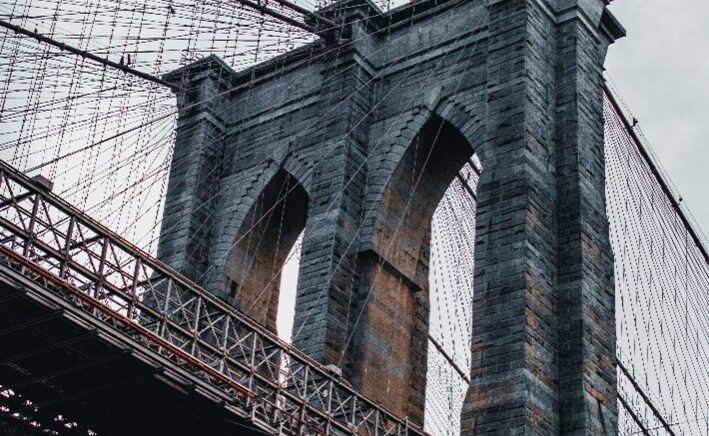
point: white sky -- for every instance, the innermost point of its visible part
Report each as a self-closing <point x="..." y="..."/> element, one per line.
<point x="662" y="70"/>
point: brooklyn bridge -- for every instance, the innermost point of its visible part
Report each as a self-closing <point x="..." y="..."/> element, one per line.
<point x="337" y="217"/>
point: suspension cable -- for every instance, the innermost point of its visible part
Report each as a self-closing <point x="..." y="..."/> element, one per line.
<point x="645" y="398"/>
<point x="87" y="54"/>
<point x="656" y="172"/>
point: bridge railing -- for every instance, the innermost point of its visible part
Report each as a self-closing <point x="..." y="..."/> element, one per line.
<point x="56" y="245"/>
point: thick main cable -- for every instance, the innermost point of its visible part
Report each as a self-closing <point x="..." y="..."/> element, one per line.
<point x="86" y="54"/>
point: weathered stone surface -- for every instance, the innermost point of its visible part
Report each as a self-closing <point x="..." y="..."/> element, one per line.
<point x="357" y="139"/>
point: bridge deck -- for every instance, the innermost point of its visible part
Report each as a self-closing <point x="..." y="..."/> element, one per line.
<point x="61" y="260"/>
<point x="70" y="370"/>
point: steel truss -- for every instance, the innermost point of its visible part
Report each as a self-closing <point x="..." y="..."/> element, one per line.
<point x="99" y="276"/>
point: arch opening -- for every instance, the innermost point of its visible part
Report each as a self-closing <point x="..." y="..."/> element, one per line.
<point x="263" y="246"/>
<point x="288" y="291"/>
<point x="394" y="338"/>
<point x="426" y="170"/>
<point x="452" y="268"/>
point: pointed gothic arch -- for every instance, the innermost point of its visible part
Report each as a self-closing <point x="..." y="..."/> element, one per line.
<point x="261" y="246"/>
<point x="392" y="337"/>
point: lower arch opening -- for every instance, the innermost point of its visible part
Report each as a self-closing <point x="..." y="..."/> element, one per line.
<point x="451" y="272"/>
<point x="264" y="243"/>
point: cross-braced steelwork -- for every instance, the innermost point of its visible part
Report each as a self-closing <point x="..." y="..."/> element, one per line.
<point x="59" y="255"/>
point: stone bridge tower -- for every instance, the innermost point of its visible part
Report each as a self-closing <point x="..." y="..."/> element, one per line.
<point x="355" y="138"/>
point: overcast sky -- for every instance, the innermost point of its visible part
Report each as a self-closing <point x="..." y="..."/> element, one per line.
<point x="662" y="70"/>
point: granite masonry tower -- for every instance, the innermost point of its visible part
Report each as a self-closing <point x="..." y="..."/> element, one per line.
<point x="355" y="138"/>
